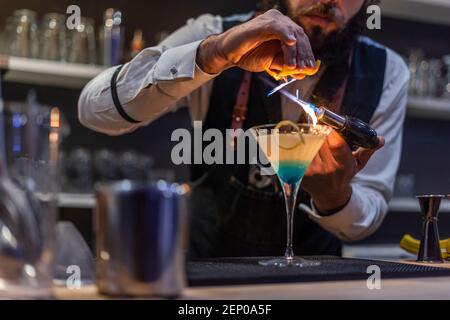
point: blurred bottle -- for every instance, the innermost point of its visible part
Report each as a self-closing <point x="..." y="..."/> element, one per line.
<point x="137" y="44"/>
<point x="111" y="38"/>
<point x="53" y="38"/>
<point x="22" y="37"/>
<point x="435" y="80"/>
<point x="79" y="171"/>
<point x="146" y="166"/>
<point x="423" y="77"/>
<point x="129" y="166"/>
<point x="446" y="60"/>
<point x="82" y="43"/>
<point x="105" y="166"/>
<point x="414" y="60"/>
<point x="6" y="36"/>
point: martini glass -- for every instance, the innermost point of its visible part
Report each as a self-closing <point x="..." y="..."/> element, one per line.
<point x="290" y="148"/>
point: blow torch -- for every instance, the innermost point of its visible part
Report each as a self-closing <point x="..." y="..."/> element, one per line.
<point x="355" y="131"/>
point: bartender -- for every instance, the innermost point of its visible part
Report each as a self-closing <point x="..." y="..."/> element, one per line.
<point x="214" y="66"/>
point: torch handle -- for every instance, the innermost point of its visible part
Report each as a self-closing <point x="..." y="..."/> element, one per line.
<point x="359" y="133"/>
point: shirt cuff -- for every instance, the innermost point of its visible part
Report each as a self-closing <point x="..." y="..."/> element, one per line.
<point x="177" y="73"/>
<point x="341" y="221"/>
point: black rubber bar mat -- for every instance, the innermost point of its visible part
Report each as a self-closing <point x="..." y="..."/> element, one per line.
<point x="234" y="271"/>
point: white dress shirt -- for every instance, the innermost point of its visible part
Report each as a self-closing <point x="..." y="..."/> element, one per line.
<point x="162" y="78"/>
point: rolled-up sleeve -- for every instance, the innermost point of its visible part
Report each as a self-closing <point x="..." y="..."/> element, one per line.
<point x="151" y="84"/>
<point x="373" y="186"/>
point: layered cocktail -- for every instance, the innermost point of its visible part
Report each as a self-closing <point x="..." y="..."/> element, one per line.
<point x="290" y="148"/>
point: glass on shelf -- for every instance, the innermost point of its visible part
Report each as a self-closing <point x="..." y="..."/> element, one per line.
<point x="79" y="171"/>
<point x="435" y="80"/>
<point x="105" y="168"/>
<point x="129" y="165"/>
<point x="82" y="48"/>
<point x="53" y="44"/>
<point x="429" y="78"/>
<point x="446" y="85"/>
<point x="6" y="36"/>
<point x="423" y="89"/>
<point x="414" y="60"/>
<point x="21" y="34"/>
<point x="111" y="38"/>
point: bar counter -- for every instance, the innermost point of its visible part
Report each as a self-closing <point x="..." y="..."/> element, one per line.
<point x="432" y="288"/>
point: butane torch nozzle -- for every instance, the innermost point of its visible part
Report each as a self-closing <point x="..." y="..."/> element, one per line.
<point x="355" y="131"/>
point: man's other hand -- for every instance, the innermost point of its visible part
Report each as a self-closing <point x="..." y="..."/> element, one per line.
<point x="271" y="40"/>
<point x="328" y="177"/>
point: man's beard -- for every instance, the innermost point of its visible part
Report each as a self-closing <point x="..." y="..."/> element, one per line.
<point x="333" y="48"/>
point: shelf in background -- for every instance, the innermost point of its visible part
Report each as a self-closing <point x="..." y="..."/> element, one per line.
<point x="76" y="200"/>
<point x="48" y="73"/>
<point x="429" y="108"/>
<point x="75" y="76"/>
<point x="412" y="205"/>
<point x="428" y="11"/>
<point x="87" y="201"/>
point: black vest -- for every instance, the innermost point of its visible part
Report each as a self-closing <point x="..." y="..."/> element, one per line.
<point x="232" y="217"/>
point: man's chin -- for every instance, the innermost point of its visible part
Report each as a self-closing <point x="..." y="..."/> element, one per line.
<point x="317" y="36"/>
<point x="319" y="22"/>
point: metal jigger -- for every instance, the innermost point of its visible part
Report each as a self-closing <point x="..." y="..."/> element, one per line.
<point x="430" y="250"/>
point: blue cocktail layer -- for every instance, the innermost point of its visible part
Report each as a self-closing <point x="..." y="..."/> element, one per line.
<point x="291" y="171"/>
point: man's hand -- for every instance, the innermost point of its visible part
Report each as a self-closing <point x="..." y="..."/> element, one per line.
<point x="271" y="40"/>
<point x="328" y="177"/>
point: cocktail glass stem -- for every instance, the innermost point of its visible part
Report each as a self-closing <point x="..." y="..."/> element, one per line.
<point x="290" y="191"/>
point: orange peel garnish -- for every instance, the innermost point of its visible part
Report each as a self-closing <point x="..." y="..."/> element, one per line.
<point x="272" y="73"/>
<point x="285" y="72"/>
<point x="294" y="130"/>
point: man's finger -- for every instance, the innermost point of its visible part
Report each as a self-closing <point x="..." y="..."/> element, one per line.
<point x="281" y="32"/>
<point x="328" y="155"/>
<point x="381" y="143"/>
<point x="363" y="156"/>
<point x="315" y="165"/>
<point x="302" y="60"/>
<point x="339" y="147"/>
<point x="304" y="49"/>
<point x="277" y="62"/>
<point x="290" y="54"/>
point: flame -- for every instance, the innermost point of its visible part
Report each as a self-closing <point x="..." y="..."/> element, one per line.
<point x="309" y="108"/>
<point x="281" y="86"/>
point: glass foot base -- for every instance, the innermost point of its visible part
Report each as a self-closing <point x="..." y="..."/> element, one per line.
<point x="289" y="262"/>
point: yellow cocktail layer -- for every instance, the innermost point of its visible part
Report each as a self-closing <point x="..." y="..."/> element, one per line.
<point x="296" y="147"/>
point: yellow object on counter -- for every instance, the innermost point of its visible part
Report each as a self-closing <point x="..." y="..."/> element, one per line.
<point x="412" y="245"/>
<point x="285" y="72"/>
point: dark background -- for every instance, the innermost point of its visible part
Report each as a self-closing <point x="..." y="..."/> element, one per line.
<point x="155" y="16"/>
<point x="426" y="150"/>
